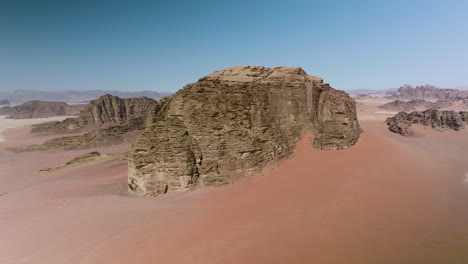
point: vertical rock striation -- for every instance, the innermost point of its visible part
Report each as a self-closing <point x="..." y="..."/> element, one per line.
<point x="232" y="122"/>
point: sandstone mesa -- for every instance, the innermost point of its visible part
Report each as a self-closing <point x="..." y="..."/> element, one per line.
<point x="234" y="121"/>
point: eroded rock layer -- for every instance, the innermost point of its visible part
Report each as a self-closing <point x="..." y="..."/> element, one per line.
<point x="234" y="121"/>
<point x="440" y="120"/>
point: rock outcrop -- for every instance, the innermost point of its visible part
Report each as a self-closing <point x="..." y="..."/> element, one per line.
<point x="232" y="122"/>
<point x="407" y="92"/>
<point x="109" y="111"/>
<point x="105" y="112"/>
<point x="363" y="97"/>
<point x="436" y="119"/>
<point x="399" y="105"/>
<point x="40" y="109"/>
<point x="107" y="121"/>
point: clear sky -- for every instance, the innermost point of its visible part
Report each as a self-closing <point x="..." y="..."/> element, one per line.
<point x="163" y="45"/>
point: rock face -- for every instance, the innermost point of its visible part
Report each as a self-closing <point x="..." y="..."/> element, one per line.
<point x="110" y="111"/>
<point x="399" y="105"/>
<point x="428" y="91"/>
<point x="40" y="109"/>
<point x="232" y="122"/>
<point x="4" y="102"/>
<point x="402" y="122"/>
<point x="105" y="112"/>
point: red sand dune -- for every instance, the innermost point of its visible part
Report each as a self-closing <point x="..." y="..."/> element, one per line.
<point x="389" y="199"/>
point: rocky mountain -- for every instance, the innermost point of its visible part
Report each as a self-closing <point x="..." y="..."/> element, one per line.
<point x="40" y="109"/>
<point x="4" y="102"/>
<point x="399" y="105"/>
<point x="104" y="122"/>
<point x="436" y="119"/>
<point x="111" y="110"/>
<point x="233" y="122"/>
<point x="407" y="92"/>
<point x="21" y="96"/>
<point x="107" y="111"/>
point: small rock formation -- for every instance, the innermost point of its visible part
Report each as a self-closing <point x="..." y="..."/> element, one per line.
<point x="82" y="159"/>
<point x="232" y="122"/>
<point x="436" y="119"/>
<point x="40" y="109"/>
<point x="93" y="139"/>
<point x="4" y="102"/>
<point x="399" y="105"/>
<point x="363" y="97"/>
<point x="407" y="92"/>
<point x="67" y="126"/>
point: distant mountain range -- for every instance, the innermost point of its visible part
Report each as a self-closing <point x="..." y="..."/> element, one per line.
<point x="389" y="91"/>
<point x="21" y="96"/>
<point x="428" y="91"/>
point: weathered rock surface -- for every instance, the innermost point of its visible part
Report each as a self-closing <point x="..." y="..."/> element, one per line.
<point x="428" y="91"/>
<point x="108" y="111"/>
<point x="399" y="105"/>
<point x="232" y="122"/>
<point x="436" y="119"/>
<point x="40" y="109"/>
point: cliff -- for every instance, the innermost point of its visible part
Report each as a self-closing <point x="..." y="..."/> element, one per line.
<point x="232" y="122"/>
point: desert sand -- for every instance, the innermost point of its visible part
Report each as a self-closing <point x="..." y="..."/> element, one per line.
<point x="388" y="199"/>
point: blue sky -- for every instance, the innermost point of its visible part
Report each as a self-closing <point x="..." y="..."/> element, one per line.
<point x="163" y="45"/>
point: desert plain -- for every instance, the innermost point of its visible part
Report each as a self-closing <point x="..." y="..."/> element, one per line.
<point x="388" y="199"/>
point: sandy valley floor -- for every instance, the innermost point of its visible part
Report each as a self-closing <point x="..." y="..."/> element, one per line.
<point x="389" y="199"/>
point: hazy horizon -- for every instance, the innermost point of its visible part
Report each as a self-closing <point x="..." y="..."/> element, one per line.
<point x="149" y="45"/>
